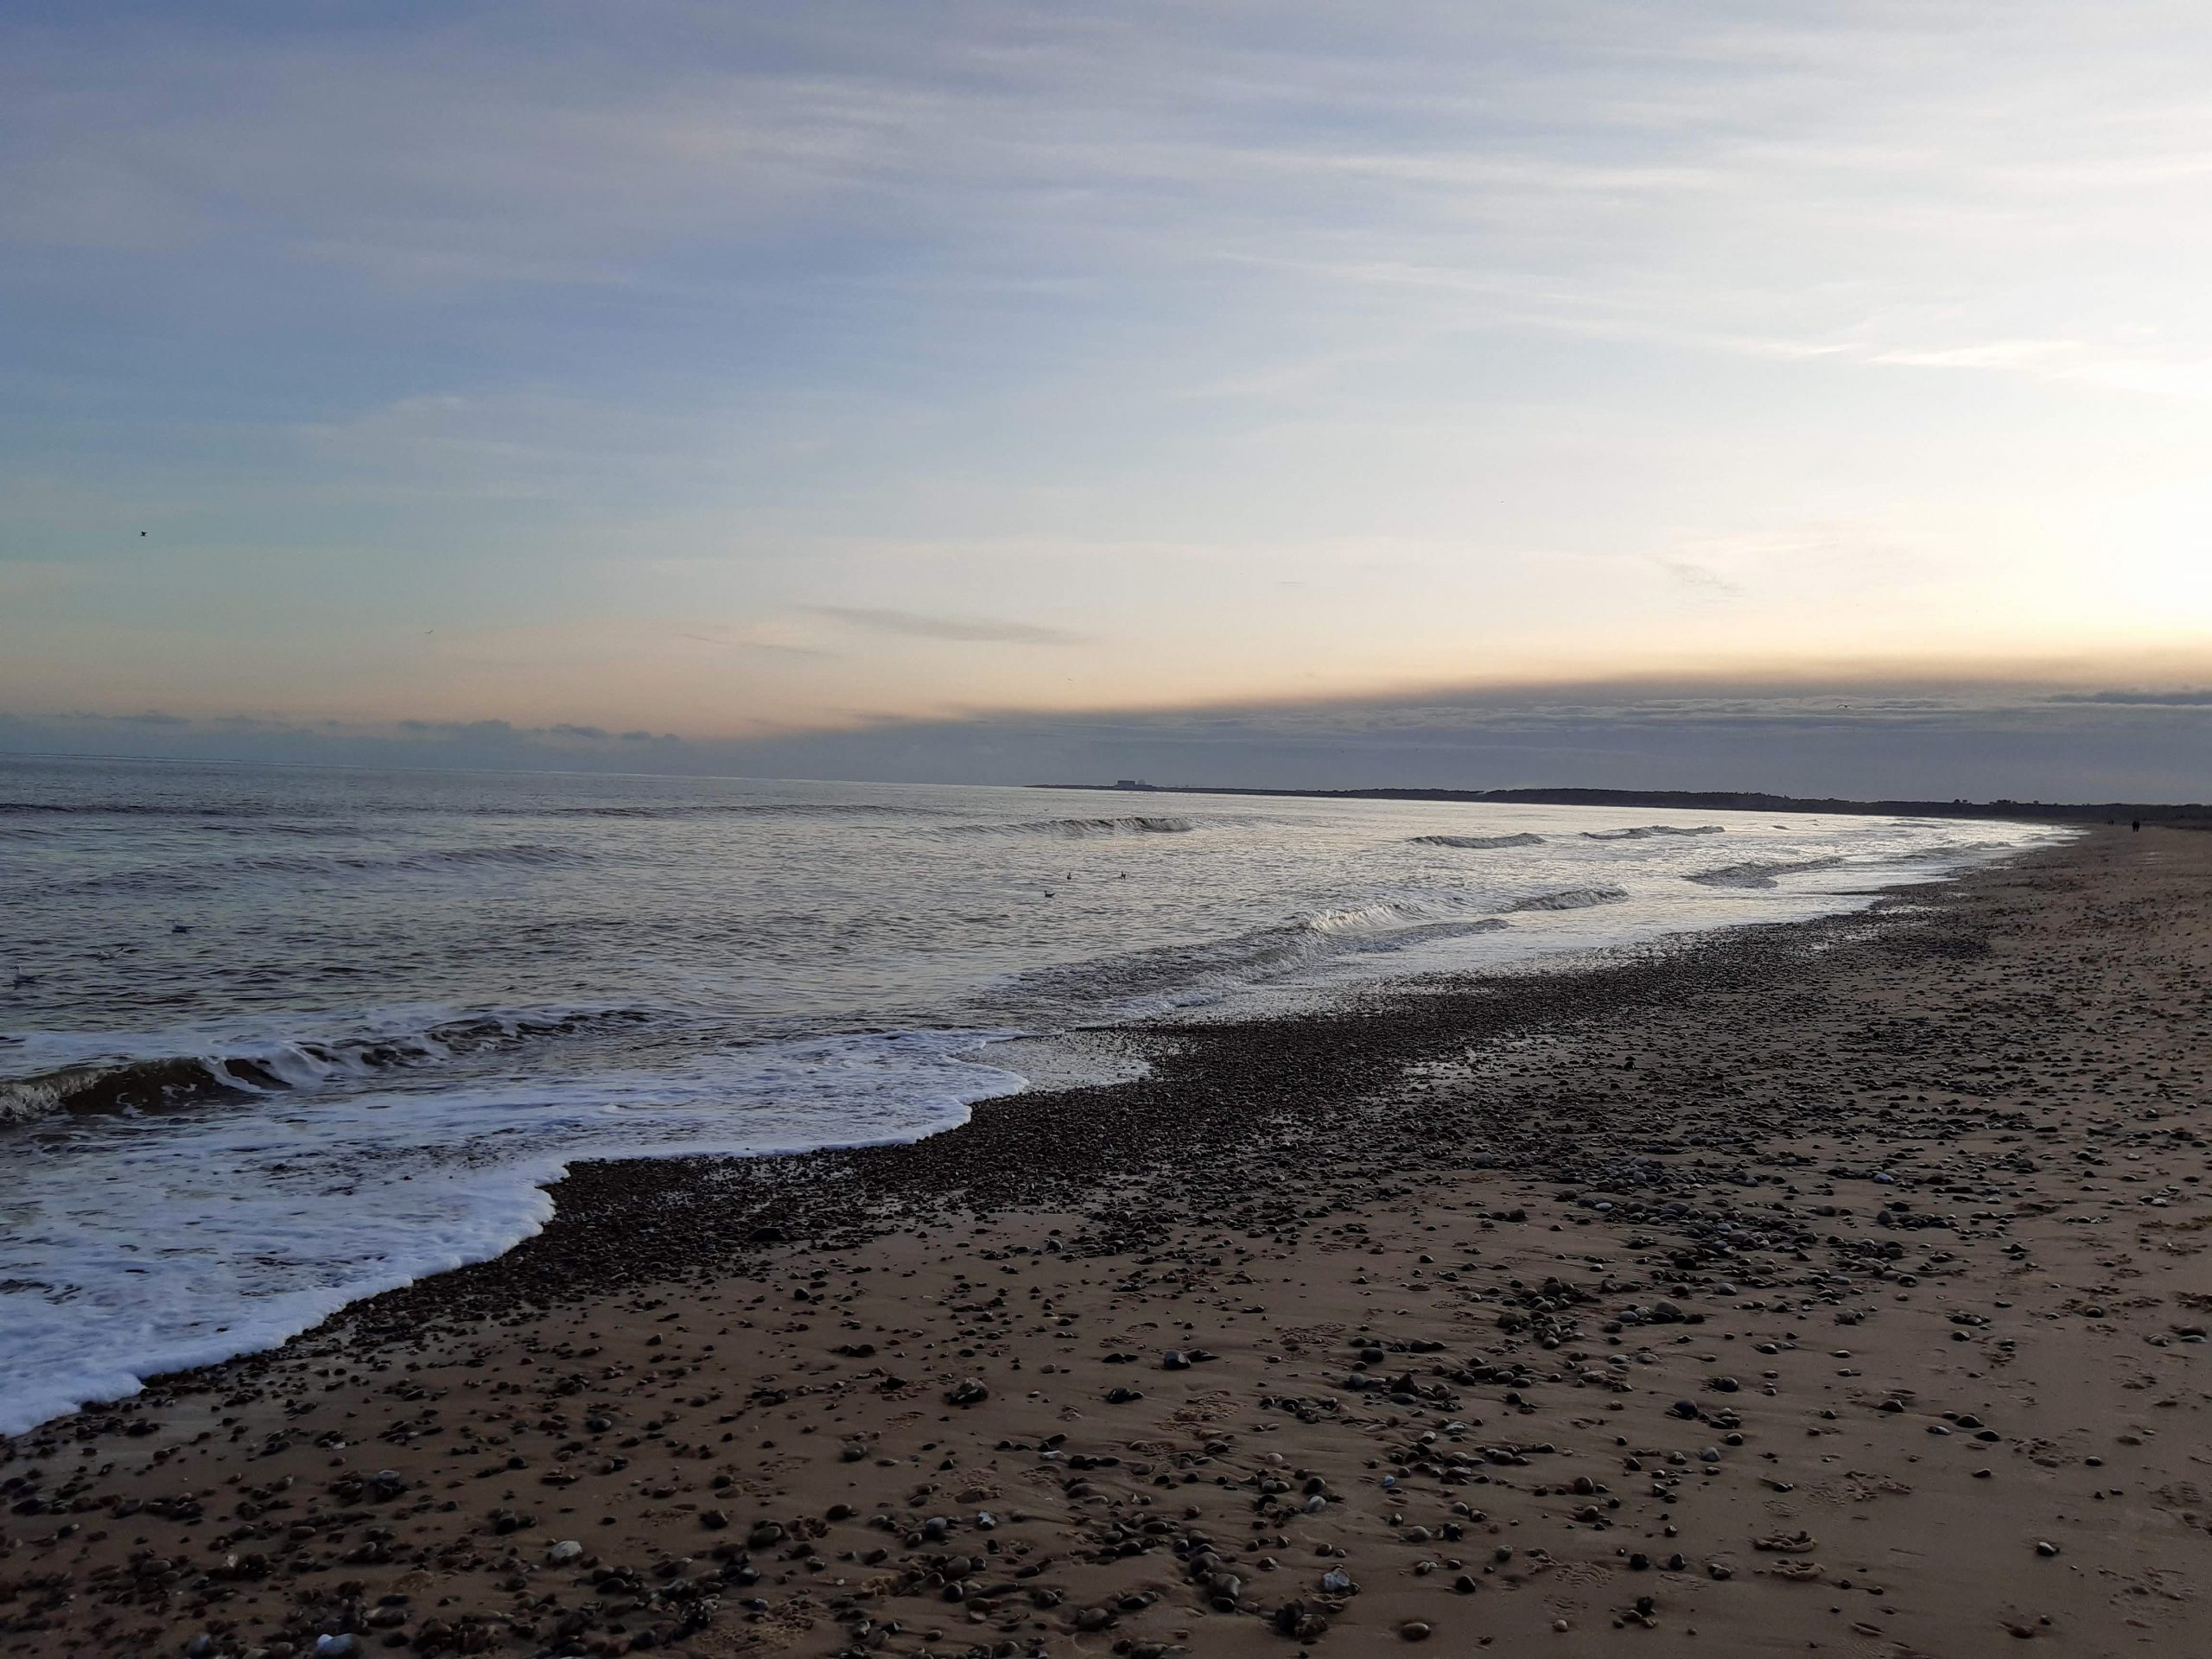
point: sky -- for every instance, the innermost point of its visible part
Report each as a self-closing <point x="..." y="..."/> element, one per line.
<point x="1674" y="392"/>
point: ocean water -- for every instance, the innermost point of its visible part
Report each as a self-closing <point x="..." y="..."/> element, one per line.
<point x="275" y="1040"/>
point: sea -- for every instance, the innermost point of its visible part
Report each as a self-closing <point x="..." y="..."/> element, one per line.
<point x="275" y="1040"/>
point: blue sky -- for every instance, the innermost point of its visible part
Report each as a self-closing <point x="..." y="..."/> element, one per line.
<point x="745" y="373"/>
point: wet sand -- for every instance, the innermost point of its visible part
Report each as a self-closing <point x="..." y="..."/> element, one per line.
<point x="1834" y="1289"/>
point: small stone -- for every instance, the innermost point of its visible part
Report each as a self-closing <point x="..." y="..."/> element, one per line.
<point x="1413" y="1631"/>
<point x="564" y="1552"/>
<point x="2044" y="1546"/>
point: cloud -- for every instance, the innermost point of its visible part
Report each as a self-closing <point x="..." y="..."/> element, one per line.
<point x="973" y="630"/>
<point x="2138" y="699"/>
<point x="496" y="316"/>
<point x="752" y="639"/>
<point x="1692" y="574"/>
<point x="1869" y="738"/>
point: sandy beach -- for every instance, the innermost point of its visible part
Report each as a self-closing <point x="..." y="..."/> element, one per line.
<point x="1835" y="1287"/>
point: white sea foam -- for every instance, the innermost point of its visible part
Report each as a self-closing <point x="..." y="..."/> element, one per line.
<point x="220" y="1233"/>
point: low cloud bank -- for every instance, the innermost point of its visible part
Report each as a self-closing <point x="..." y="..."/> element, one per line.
<point x="2033" y="745"/>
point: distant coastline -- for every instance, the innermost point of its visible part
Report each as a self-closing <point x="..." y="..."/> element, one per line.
<point x="2192" y="814"/>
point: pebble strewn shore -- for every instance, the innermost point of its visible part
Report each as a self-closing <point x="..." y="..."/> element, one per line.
<point x="1835" y="1288"/>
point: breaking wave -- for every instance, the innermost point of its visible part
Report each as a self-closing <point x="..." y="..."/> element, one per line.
<point x="1571" y="898"/>
<point x="211" y="876"/>
<point x="1201" y="970"/>
<point x="1948" y="849"/>
<point x="237" y="1068"/>
<point x="1078" y="829"/>
<point x="1477" y="843"/>
<point x="1647" y="831"/>
<point x="128" y="809"/>
<point x="721" y="809"/>
<point x="1756" y="874"/>
<point x="260" y="812"/>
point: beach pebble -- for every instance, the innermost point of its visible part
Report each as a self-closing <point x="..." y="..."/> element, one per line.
<point x="1295" y="1619"/>
<point x="967" y="1392"/>
<point x="1413" y="1631"/>
<point x="562" y="1554"/>
<point x="2044" y="1546"/>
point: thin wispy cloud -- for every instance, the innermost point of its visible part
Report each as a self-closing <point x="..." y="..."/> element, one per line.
<point x="967" y="630"/>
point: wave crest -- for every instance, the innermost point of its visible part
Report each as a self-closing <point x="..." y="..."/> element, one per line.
<point x="1647" y="831"/>
<point x="1079" y="829"/>
<point x="1756" y="874"/>
<point x="1571" y="898"/>
<point x="1479" y="841"/>
<point x="234" y="1069"/>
